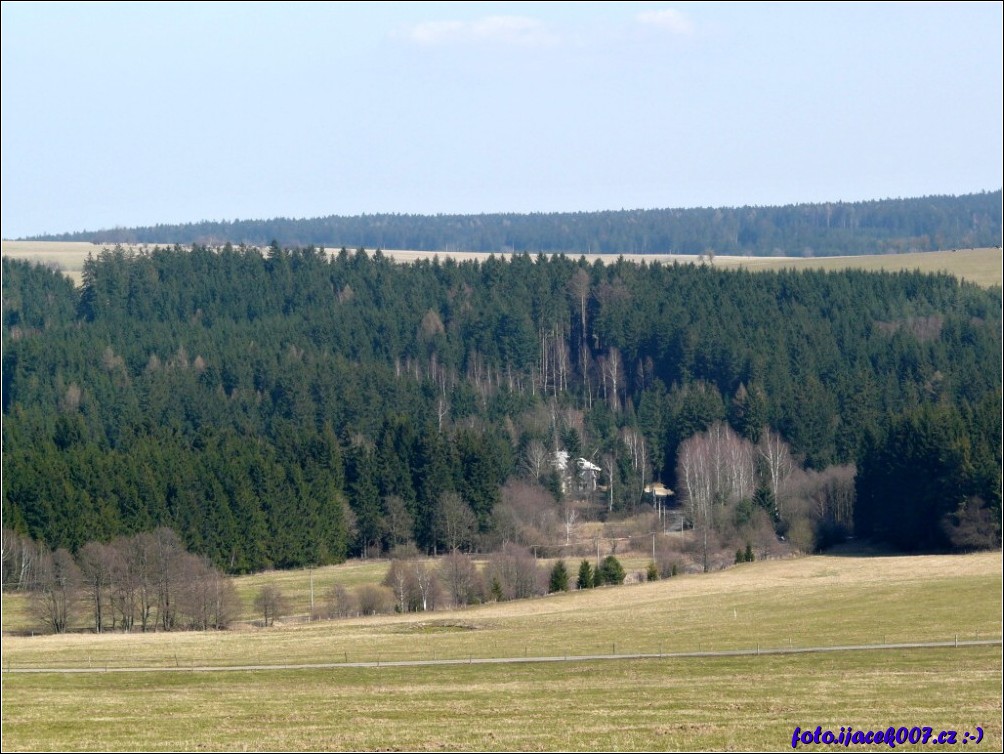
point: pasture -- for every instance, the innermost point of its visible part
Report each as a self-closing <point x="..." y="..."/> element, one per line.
<point x="745" y="703"/>
<point x="798" y="602"/>
<point x="980" y="266"/>
<point x="683" y="703"/>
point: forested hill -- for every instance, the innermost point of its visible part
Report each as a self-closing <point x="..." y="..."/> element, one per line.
<point x="289" y="408"/>
<point x="837" y="228"/>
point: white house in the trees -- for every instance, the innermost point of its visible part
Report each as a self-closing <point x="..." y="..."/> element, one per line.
<point x="588" y="472"/>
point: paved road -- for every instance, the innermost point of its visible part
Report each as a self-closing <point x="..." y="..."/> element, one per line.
<point x="516" y="660"/>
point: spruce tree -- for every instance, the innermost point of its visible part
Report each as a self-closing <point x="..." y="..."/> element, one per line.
<point x="559" y="578"/>
<point x="610" y="571"/>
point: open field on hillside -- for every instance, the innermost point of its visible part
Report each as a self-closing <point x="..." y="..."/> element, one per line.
<point x="981" y="266"/>
<point x="692" y="703"/>
<point x="65" y="256"/>
<point x="713" y="704"/>
<point x="812" y="601"/>
<point x="296" y="587"/>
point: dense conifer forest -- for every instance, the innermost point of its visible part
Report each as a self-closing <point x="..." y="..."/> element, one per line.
<point x="283" y="407"/>
<point x="872" y="227"/>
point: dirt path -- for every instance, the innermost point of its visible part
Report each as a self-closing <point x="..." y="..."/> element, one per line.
<point x="518" y="660"/>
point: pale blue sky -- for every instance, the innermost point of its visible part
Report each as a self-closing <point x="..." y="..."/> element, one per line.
<point x="135" y="114"/>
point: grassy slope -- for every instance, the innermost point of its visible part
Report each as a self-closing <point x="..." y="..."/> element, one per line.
<point x="822" y="600"/>
<point x="717" y="703"/>
<point x="295" y="586"/>
<point x="729" y="703"/>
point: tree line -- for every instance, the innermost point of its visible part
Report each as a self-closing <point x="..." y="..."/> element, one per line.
<point x="416" y="584"/>
<point x="868" y="227"/>
<point x="149" y="582"/>
<point x="510" y="573"/>
<point x="284" y="408"/>
<point x="144" y="582"/>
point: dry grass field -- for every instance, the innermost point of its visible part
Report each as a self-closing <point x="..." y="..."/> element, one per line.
<point x="811" y="601"/>
<point x="295" y="585"/>
<point x="745" y="704"/>
<point x="688" y="703"/>
<point x="981" y="266"/>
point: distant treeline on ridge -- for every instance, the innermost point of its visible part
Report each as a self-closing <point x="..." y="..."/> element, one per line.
<point x="826" y="229"/>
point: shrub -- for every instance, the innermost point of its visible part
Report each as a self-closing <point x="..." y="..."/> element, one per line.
<point x="516" y="572"/>
<point x="374" y="600"/>
<point x="339" y="602"/>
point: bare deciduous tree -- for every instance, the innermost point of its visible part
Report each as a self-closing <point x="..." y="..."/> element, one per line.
<point x="401" y="581"/>
<point x="270" y="603"/>
<point x="206" y="598"/>
<point x="339" y="602"/>
<point x="21" y="560"/>
<point x="397" y="520"/>
<point x="697" y="483"/>
<point x="716" y="468"/>
<point x="96" y="562"/>
<point x="777" y="463"/>
<point x="461" y="579"/>
<point x="637" y="448"/>
<point x="528" y="514"/>
<point x="536" y="460"/>
<point x="165" y="568"/>
<point x="427" y="585"/>
<point x="142" y="574"/>
<point x="414" y="584"/>
<point x="614" y="371"/>
<point x="516" y="573"/>
<point x="578" y="287"/>
<point x="56" y="598"/>
<point x="456" y="522"/>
